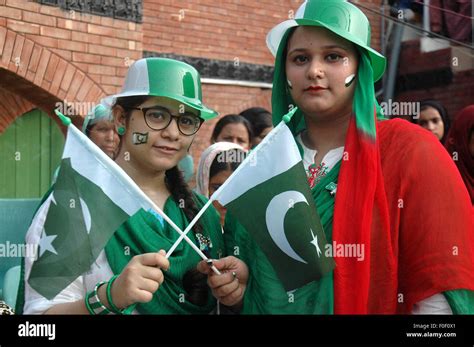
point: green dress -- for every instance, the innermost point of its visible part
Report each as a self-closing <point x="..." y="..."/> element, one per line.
<point x="144" y="233"/>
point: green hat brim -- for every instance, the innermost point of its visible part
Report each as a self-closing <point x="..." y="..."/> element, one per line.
<point x="204" y="112"/>
<point x="163" y="77"/>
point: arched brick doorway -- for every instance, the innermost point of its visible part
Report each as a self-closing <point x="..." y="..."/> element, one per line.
<point x="41" y="78"/>
<point x="33" y="80"/>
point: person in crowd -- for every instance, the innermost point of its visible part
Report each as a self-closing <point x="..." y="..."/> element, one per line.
<point x="217" y="163"/>
<point x="434" y="117"/>
<point x="460" y="145"/>
<point x="261" y="121"/>
<point x="233" y="128"/>
<point x="99" y="127"/>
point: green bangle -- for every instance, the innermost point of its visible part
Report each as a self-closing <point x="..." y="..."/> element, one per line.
<point x="115" y="309"/>
<point x="93" y="303"/>
<point x="89" y="309"/>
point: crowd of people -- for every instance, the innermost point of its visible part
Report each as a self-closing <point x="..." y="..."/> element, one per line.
<point x="328" y="71"/>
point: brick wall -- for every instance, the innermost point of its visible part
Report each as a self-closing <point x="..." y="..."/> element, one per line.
<point x="11" y="104"/>
<point x="455" y="95"/>
<point x="98" y="46"/>
<point x="222" y="29"/>
<point x="219" y="29"/>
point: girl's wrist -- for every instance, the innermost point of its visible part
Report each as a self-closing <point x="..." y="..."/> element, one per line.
<point x="103" y="297"/>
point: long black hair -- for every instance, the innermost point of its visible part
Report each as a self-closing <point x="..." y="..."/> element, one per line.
<point x="194" y="282"/>
<point x="259" y="118"/>
<point x="442" y="112"/>
<point x="231" y="119"/>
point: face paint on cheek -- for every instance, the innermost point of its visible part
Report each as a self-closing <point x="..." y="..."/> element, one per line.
<point x="289" y="84"/>
<point x="349" y="80"/>
<point x="139" y="138"/>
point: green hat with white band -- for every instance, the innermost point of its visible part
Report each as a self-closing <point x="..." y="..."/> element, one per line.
<point x="165" y="78"/>
<point x="339" y="16"/>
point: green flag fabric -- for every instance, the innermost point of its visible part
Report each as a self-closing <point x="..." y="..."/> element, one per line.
<point x="270" y="196"/>
<point x="91" y="198"/>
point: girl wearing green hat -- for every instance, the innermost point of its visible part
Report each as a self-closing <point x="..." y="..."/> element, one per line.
<point x="157" y="116"/>
<point x="398" y="193"/>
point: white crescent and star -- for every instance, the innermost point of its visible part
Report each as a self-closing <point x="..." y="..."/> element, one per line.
<point x="315" y="243"/>
<point x="45" y="243"/>
<point x="87" y="215"/>
<point x="275" y="218"/>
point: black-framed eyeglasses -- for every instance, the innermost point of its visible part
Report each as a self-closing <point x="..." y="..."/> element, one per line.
<point x="159" y="118"/>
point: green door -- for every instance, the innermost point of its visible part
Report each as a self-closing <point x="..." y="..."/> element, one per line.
<point x="30" y="151"/>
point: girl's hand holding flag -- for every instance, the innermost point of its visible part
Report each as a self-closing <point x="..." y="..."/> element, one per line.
<point x="140" y="279"/>
<point x="229" y="286"/>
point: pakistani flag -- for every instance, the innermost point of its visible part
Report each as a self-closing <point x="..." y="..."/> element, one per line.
<point x="91" y="198"/>
<point x="270" y="196"/>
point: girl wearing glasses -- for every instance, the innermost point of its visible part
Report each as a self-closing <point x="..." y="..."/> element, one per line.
<point x="157" y="116"/>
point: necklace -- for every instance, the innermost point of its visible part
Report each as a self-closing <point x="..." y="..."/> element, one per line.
<point x="316" y="173"/>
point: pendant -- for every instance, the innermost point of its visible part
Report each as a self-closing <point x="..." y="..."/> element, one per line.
<point x="315" y="174"/>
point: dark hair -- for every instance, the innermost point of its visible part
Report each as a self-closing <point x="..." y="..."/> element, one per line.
<point x="231" y="119"/>
<point x="259" y="118"/>
<point x="219" y="165"/>
<point x="442" y="112"/>
<point x="194" y="282"/>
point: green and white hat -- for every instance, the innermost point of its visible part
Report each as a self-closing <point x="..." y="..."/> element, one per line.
<point x="165" y="78"/>
<point x="339" y="16"/>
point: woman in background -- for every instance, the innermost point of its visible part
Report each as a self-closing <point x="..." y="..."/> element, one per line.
<point x="460" y="145"/>
<point x="261" y="121"/>
<point x="434" y="117"/>
<point x="233" y="128"/>
<point x="217" y="163"/>
<point x="99" y="127"/>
